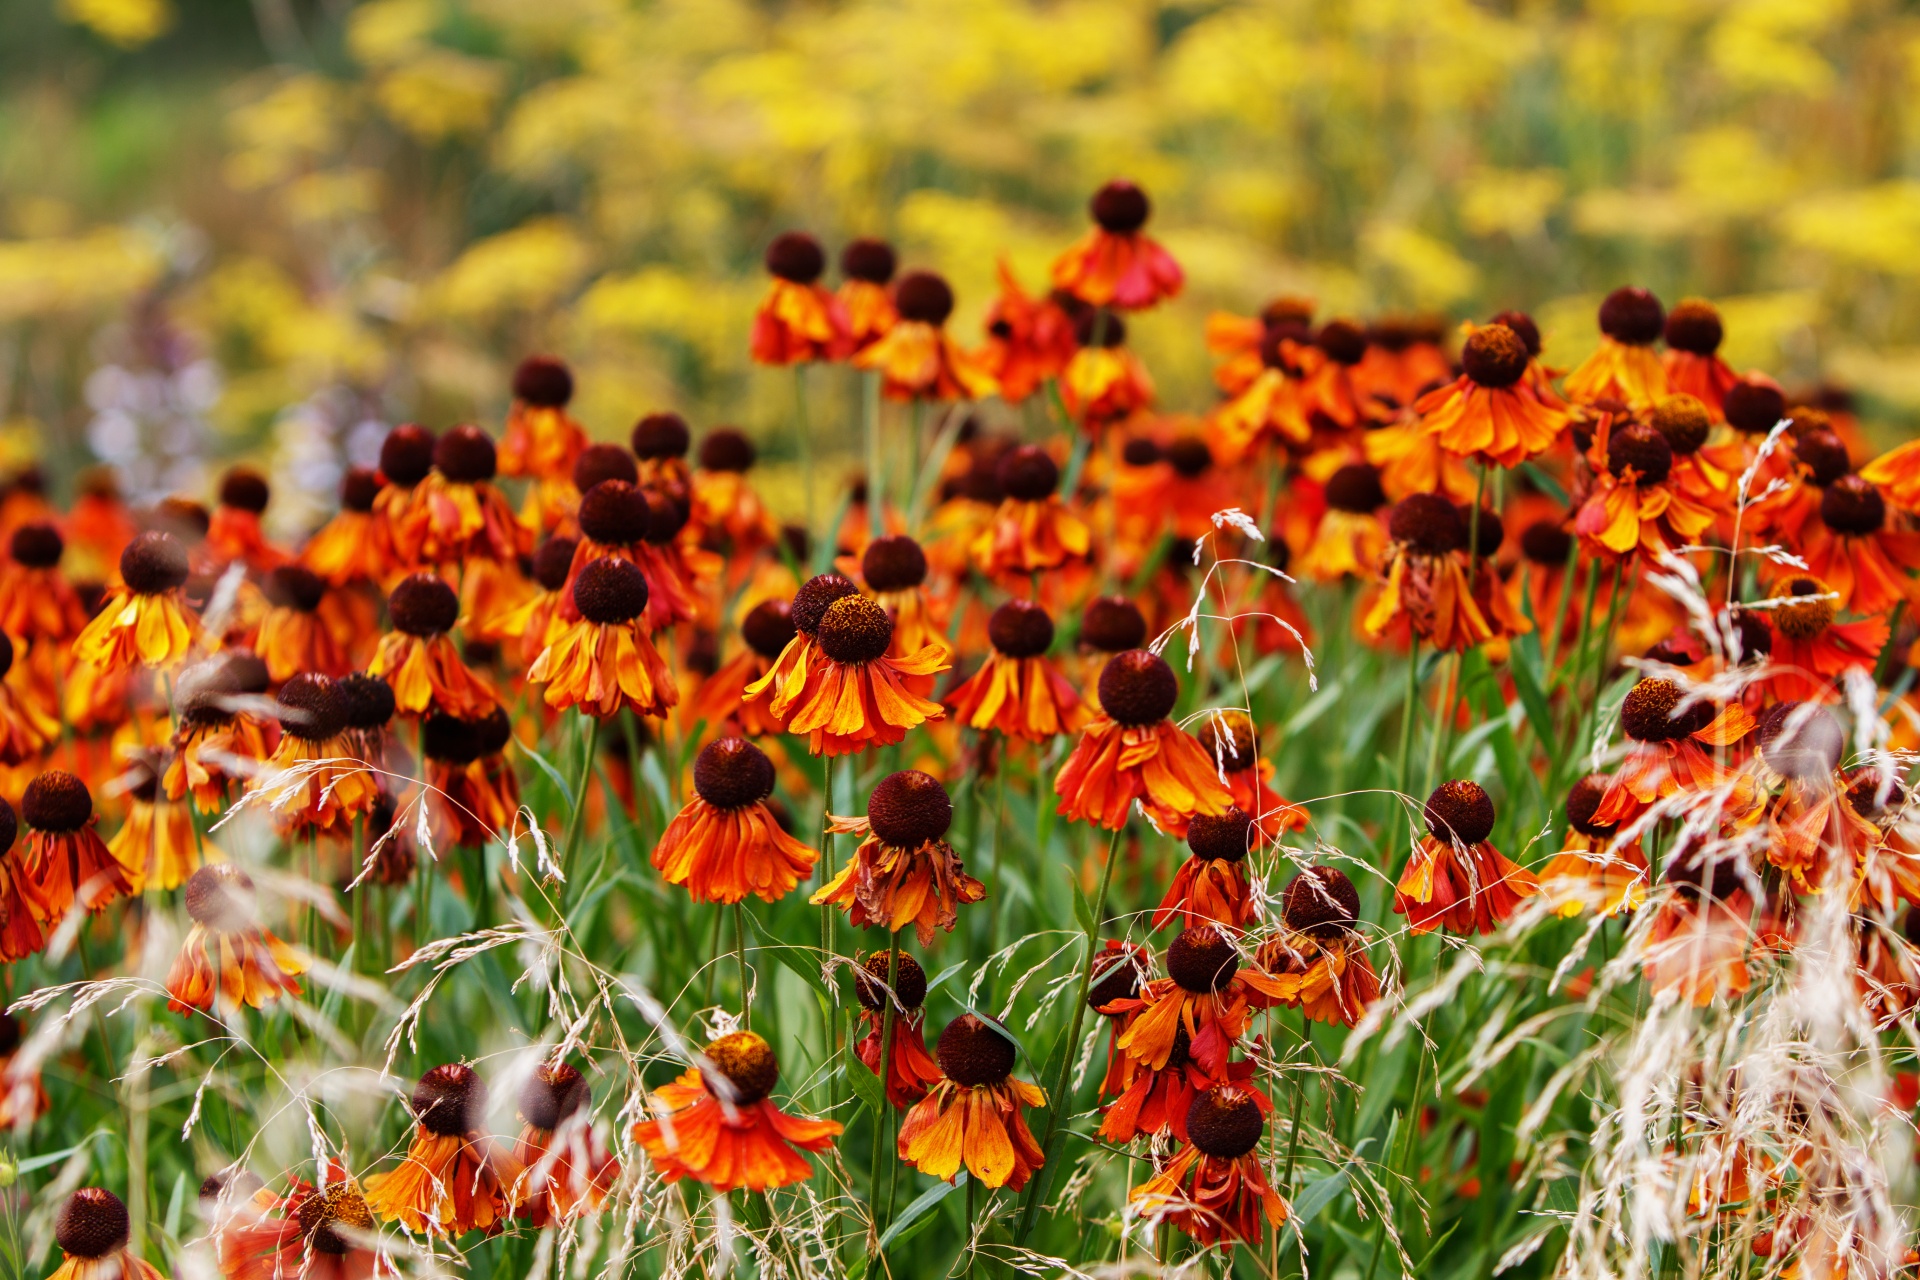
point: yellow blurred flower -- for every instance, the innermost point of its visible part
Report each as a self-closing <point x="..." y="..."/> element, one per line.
<point x="127" y="23"/>
<point x="530" y="267"/>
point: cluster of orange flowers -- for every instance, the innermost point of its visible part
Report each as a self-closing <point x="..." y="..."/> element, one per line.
<point x="182" y="656"/>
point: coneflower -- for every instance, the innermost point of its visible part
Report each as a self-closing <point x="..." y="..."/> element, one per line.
<point x="726" y="843"/>
<point x="1207" y="993"/>
<point x="721" y="700"/>
<point x="227" y="950"/>
<point x="419" y="659"/>
<point x="1032" y="531"/>
<point x="541" y="439"/>
<point x="313" y="780"/>
<point x="1116" y="263"/>
<point x="92" y="1230"/>
<point x="144" y="621"/>
<point x="1215" y="1189"/>
<point x="1454" y="876"/>
<point x="976" y="1115"/>
<point x="1017" y="690"/>
<point x="1624" y="367"/>
<point x="605" y="662"/>
<point x="904" y="872"/>
<point x="64" y="860"/>
<point x="798" y="320"/>
<point x="1132" y="752"/>
<point x="916" y="358"/>
<point x="568" y="1171"/>
<point x="1320" y="960"/>
<point x="911" y="1071"/>
<point x="454" y="1178"/>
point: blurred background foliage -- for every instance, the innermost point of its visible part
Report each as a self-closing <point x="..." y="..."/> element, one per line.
<point x="271" y="227"/>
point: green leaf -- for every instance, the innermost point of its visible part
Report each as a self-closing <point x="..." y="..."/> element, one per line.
<point x="52" y="1157"/>
<point x="866" y="1085"/>
<point x="923" y="1202"/>
<point x="802" y="960"/>
<point x="1316" y="1196"/>
<point x="1525" y="662"/>
<point x="944" y="974"/>
<point x="566" y="792"/>
<point x="1544" y="482"/>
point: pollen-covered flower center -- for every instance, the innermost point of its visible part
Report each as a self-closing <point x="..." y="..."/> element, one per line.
<point x="855" y="629"/>
<point x="1694" y="326"/>
<point x="1583" y="801"/>
<point x="1225" y="1122"/>
<point x="1227" y="738"/>
<point x="1427" y="523"/>
<point x="1202" y="959"/>
<point x="1138" y="688"/>
<point x="323" y="1213"/>
<point x="731" y="773"/>
<point x="747" y="1063"/>
<point x="37" y="546"/>
<point x="727" y="449"/>
<point x="1355" y="488"/>
<point x="796" y="256"/>
<point x="1851" y="505"/>
<point x="1683" y="421"/>
<point x="1460" y="810"/>
<point x="450" y="1100"/>
<point x="465" y="455"/>
<point x="406" y="455"/>
<point x="423" y="605"/>
<point x="661" y="435"/>
<point x="1020" y="629"/>
<point x="1652" y="712"/>
<point x="909" y="981"/>
<point x="1028" y="474"/>
<point x="1633" y="316"/>
<point x="92" y="1223"/>
<point x="610" y="591"/>
<point x="1113" y="624"/>
<point x="553" y="1093"/>
<point x="57" y="802"/>
<point x="909" y="809"/>
<point x="1226" y="837"/>
<point x="220" y="896"/>
<point x="815" y="596"/>
<point x="1120" y="207"/>
<point x="1810" y="612"/>
<point x="312" y="707"/>
<point x="1494" y="356"/>
<point x="615" y="513"/>
<point x="1801" y="740"/>
<point x="1641" y="449"/>
<point x="154" y="563"/>
<point x="893" y="563"/>
<point x="973" y="1052"/>
<point x="1321" y="902"/>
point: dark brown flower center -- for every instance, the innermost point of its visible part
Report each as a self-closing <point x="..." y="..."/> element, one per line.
<point x="543" y="380"/>
<point x="1225" y="1122"/>
<point x="1028" y="474"/>
<point x="92" y="1223"/>
<point x="973" y="1052"/>
<point x="1115" y="977"/>
<point x="553" y="1093"/>
<point x="1344" y="341"/>
<point x="368" y="700"/>
<point x="796" y="256"/>
<point x="1823" y="454"/>
<point x="1801" y="740"/>
<point x="245" y="489"/>
<point x="1632" y="315"/>
<point x="1871" y="794"/>
<point x="220" y="896"/>
<point x="1201" y="959"/>
<point x="1684" y="421"/>
<point x="615" y="513"/>
<point x="1694" y="325"/>
<point x="727" y="449"/>
<point x="909" y="809"/>
<point x="293" y="586"/>
<point x="868" y="259"/>
<point x="406" y="455"/>
<point x="1020" y="629"/>
<point x="423" y="605"/>
<point x="923" y="297"/>
<point x="599" y="462"/>
<point x="1427" y="523"/>
<point x="553" y="561"/>
<point x="1120" y="207"/>
<point x="450" y="1100"/>
<point x="1486" y="533"/>
<point x="1546" y="542"/>
<point x="747" y="1063"/>
<point x="855" y="629"/>
<point x="815" y="596"/>
<point x="1227" y="837"/>
<point x="730" y="773"/>
<point x="154" y="563"/>
<point x="1522" y="324"/>
<point x="1138" y="687"/>
<point x="1356" y="488"/>
<point x="893" y="563"/>
<point x="465" y="455"/>
<point x="1140" y="452"/>
<point x="1113" y="624"/>
<point x="1641" y="448"/>
<point x="1651" y="712"/>
<point x="768" y="627"/>
<point x="610" y="591"/>
<point x="1460" y="811"/>
<point x="1583" y="801"/>
<point x="909" y="981"/>
<point x="37" y="546"/>
<point x="1810" y="614"/>
<point x="1754" y="407"/>
<point x="1494" y="356"/>
<point x="661" y="435"/>
<point x="57" y="801"/>
<point x="1190" y="456"/>
<point x="1321" y="902"/>
<point x="1853" y="506"/>
<point x="312" y="707"/>
<point x="1228" y="739"/>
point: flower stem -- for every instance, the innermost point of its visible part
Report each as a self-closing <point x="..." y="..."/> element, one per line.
<point x="1408" y="714"/>
<point x="806" y="440"/>
<point x="1052" y="1135"/>
<point x="885" y="1114"/>
<point x="576" y="824"/>
<point x="740" y="959"/>
<point x="876" y="473"/>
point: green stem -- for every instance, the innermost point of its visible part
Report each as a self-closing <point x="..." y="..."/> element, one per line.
<point x="740" y="960"/>
<point x="806" y="440"/>
<point x="885" y="1113"/>
<point x="993" y="869"/>
<point x="577" y="822"/>
<point x="1408" y="714"/>
<point x="876" y="473"/>
<point x="1053" y="1134"/>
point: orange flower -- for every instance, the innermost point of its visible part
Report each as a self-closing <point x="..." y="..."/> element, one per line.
<point x="798" y="320"/>
<point x="23" y="1098"/>
<point x="213" y="742"/>
<point x="1699" y="940"/>
<point x="800" y="661"/>
<point x="64" y="860"/>
<point x="312" y="780"/>
<point x="1596" y="870"/>
<point x="25" y="729"/>
<point x="92" y="1230"/>
<point x="917" y="358"/>
<point x="540" y="438"/>
<point x="1028" y="339"/>
<point x="1864" y="563"/>
<point x="1810" y="650"/>
<point x="1116" y="264"/>
<point x="1227" y="738"/>
<point x="1032" y="530"/>
<point x="1350" y="540"/>
<point x="1624" y="367"/>
<point x="1212" y="884"/>
<point x="463" y="517"/>
<point x="726" y="843"/>
<point x="21" y="934"/>
<point x="1491" y="412"/>
<point x="1214" y="1189"/>
<point x="472" y="791"/>
<point x="1017" y="691"/>
<point x="1320" y="960"/>
<point x="1104" y="382"/>
<point x="400" y="512"/>
<point x="315" y="1233"/>
<point x="419" y="659"/>
<point x="1427" y="581"/>
<point x="252" y="966"/>
<point x="1814" y="832"/>
<point x="605" y="662"/>
<point x="903" y="872"/>
<point x="717" y="1125"/>
<point x="1131" y="751"/>
<point x="293" y="637"/>
<point x="569" y="1172"/>
<point x="346" y="548"/>
<point x="660" y="442"/>
<point x="538" y="618"/>
<point x="911" y="1071"/>
<point x="37" y="602"/>
<point x="145" y="621"/>
<point x="621" y="520"/>
<point x="454" y="1177"/>
<point x="864" y="302"/>
<point x="1271" y="407"/>
<point x="1640" y="499"/>
<point x="1455" y="878"/>
<point x="233" y="530"/>
<point x="727" y="513"/>
<point x="721" y="699"/>
<point x="1153" y="1103"/>
<point x="975" y="1115"/>
<point x="1207" y="994"/>
<point x="857" y="696"/>
<point x="1895" y="473"/>
<point x="157" y="844"/>
<point x="1668" y="734"/>
<point x="1237" y="341"/>
<point x="1403" y="362"/>
<point x="894" y="568"/>
<point x="1693" y="365"/>
<point x="1412" y="460"/>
